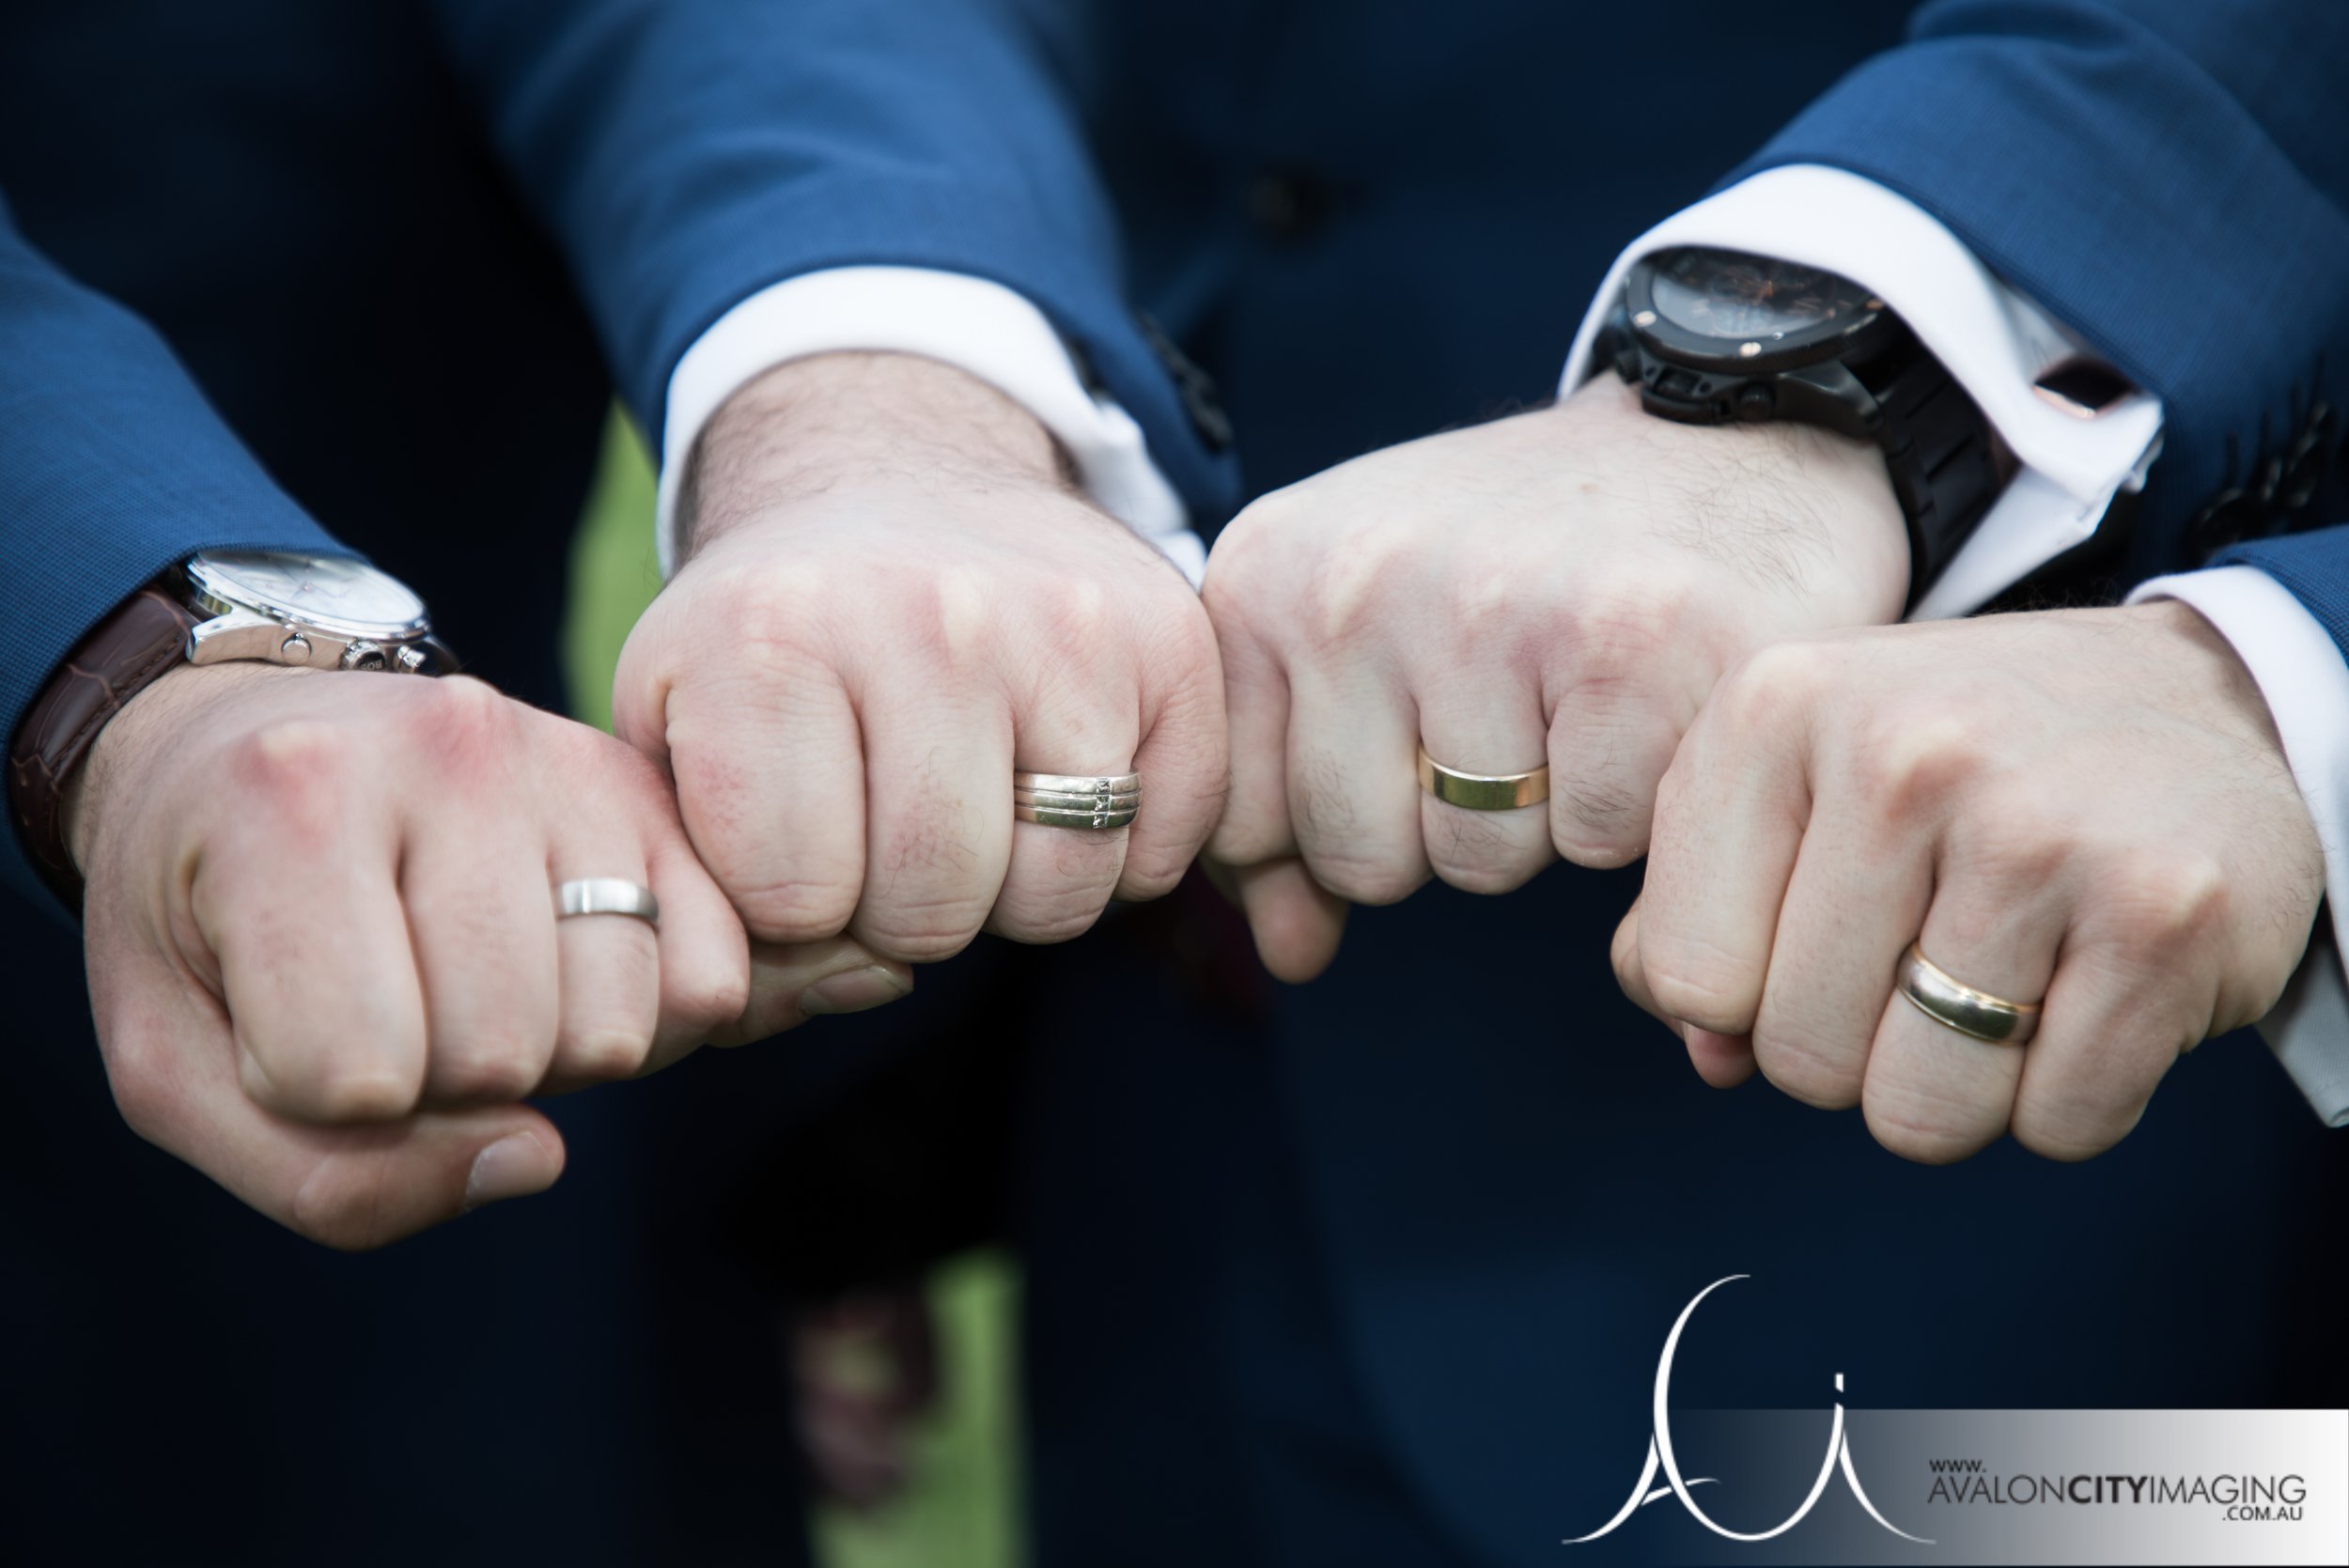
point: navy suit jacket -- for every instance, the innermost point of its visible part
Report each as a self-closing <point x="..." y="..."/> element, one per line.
<point x="274" y="269"/>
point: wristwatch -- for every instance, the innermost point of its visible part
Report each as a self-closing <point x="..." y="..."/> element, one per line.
<point x="1712" y="336"/>
<point x="319" y="610"/>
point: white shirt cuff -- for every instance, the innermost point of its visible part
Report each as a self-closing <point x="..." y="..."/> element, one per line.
<point x="2299" y="670"/>
<point x="1993" y="341"/>
<point x="969" y="323"/>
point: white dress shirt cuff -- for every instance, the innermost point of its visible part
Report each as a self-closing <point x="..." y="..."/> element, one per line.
<point x="1994" y="342"/>
<point x="2300" y="671"/>
<point x="974" y="325"/>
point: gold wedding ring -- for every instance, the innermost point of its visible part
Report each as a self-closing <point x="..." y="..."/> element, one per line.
<point x="1953" y="1004"/>
<point x="1482" y="791"/>
<point x="1095" y="802"/>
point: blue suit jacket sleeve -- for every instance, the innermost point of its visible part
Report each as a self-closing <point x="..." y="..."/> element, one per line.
<point x="112" y="468"/>
<point x="2167" y="177"/>
<point x="686" y="153"/>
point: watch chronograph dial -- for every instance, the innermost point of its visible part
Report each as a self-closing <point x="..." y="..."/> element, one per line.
<point x="325" y="589"/>
<point x="1737" y="298"/>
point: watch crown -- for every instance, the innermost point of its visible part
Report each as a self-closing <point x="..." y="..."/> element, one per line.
<point x="363" y="655"/>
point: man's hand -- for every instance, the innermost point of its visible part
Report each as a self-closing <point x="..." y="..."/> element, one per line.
<point x="892" y="599"/>
<point x="322" y="945"/>
<point x="1559" y="588"/>
<point x="2087" y="806"/>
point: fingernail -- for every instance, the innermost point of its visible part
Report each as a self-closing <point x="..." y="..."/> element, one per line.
<point x="853" y="991"/>
<point x="513" y="1167"/>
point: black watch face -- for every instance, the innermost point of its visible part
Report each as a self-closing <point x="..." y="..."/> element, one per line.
<point x="1732" y="300"/>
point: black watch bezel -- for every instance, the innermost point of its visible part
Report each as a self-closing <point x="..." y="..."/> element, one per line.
<point x="1860" y="337"/>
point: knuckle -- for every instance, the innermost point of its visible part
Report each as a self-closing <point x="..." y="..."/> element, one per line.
<point x="2024" y="850"/>
<point x="1775" y="683"/>
<point x="603" y="1052"/>
<point x="1060" y="921"/>
<point x="1619" y="637"/>
<point x="2166" y="898"/>
<point x="327" y="1091"/>
<point x="1700" y="983"/>
<point x="1475" y="855"/>
<point x="2069" y="1133"/>
<point x="295" y="770"/>
<point x="1905" y="766"/>
<point x="1342" y="595"/>
<point x="798" y="910"/>
<point x="1361" y="876"/>
<point x="486" y="1070"/>
<point x="463" y="716"/>
<point x="704" y="996"/>
<point x="1598" y="818"/>
<point x="1925" y="1130"/>
<point x="1803" y="1071"/>
<point x="764" y="611"/>
<point x="926" y="931"/>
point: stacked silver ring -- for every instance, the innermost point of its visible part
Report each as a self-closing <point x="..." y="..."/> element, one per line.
<point x="1094" y="801"/>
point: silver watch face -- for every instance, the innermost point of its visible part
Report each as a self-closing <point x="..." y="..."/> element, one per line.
<point x="320" y="590"/>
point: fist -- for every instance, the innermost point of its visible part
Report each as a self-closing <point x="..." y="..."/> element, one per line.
<point x="323" y="945"/>
<point x="1559" y="588"/>
<point x="892" y="598"/>
<point x="2084" y="809"/>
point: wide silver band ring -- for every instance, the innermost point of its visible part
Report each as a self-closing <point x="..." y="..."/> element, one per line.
<point x="1089" y="819"/>
<point x="1088" y="785"/>
<point x="1069" y="800"/>
<point x="1094" y="802"/>
<point x="606" y="895"/>
<point x="1953" y="1004"/>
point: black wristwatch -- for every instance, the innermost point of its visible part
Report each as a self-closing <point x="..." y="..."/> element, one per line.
<point x="1711" y="336"/>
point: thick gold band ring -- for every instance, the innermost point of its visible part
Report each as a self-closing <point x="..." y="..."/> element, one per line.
<point x="1482" y="791"/>
<point x="1953" y="1004"/>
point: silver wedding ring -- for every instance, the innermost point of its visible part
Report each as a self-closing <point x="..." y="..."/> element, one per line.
<point x="1094" y="802"/>
<point x="1953" y="1004"/>
<point x="606" y="895"/>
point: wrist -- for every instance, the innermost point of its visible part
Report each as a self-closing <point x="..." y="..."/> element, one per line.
<point x="814" y="425"/>
<point x="1784" y="498"/>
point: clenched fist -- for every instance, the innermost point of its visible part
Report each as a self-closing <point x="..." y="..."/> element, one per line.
<point x="2084" y="809"/>
<point x="1562" y="588"/>
<point x="891" y="599"/>
<point x="323" y="949"/>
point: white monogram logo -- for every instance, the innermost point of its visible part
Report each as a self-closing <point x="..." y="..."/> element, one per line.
<point x="1660" y="1457"/>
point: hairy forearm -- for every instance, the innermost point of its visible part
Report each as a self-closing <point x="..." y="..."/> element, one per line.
<point x="819" y="423"/>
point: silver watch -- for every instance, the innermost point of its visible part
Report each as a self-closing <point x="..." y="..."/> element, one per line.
<point x="320" y="610"/>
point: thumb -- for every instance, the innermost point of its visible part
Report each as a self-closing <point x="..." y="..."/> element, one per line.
<point x="791" y="983"/>
<point x="354" y="1187"/>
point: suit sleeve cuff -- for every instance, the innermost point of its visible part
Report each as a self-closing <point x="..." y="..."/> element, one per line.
<point x="1993" y="341"/>
<point x="2300" y="671"/>
<point x="972" y="324"/>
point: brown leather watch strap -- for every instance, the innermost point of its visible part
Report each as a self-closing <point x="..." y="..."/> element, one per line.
<point x="145" y="635"/>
